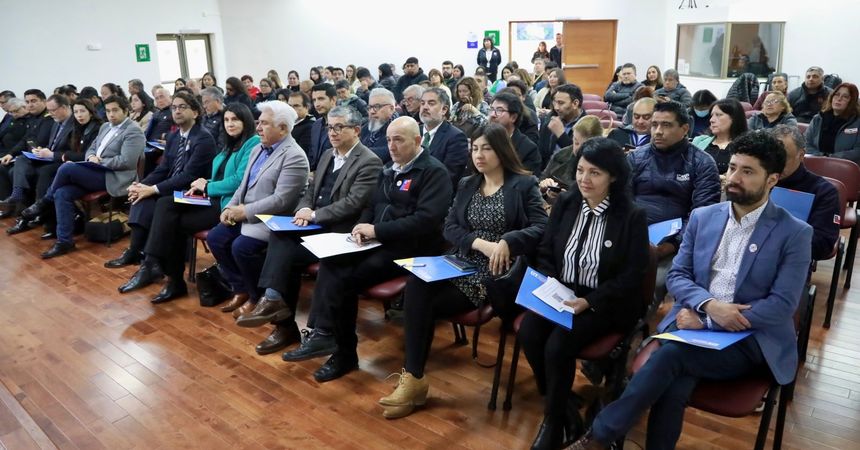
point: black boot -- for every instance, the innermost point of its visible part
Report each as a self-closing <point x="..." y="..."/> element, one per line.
<point x="144" y="276"/>
<point x="20" y="226"/>
<point x="174" y="288"/>
<point x="127" y="258"/>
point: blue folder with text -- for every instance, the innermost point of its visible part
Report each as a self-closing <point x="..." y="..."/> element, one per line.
<point x="180" y="197"/>
<point x="798" y="203"/>
<point x="32" y="156"/>
<point x="285" y="223"/>
<point x="716" y="340"/>
<point x="659" y="231"/>
<point x="531" y="281"/>
<point x="432" y="268"/>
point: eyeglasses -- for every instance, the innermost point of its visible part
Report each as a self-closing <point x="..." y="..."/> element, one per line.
<point x="770" y="102"/>
<point x="410" y="99"/>
<point x="498" y="111"/>
<point x="377" y="107"/>
<point x="336" y="129"/>
<point x="182" y="107"/>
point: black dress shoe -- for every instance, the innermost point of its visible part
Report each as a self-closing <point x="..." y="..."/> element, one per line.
<point x="9" y="202"/>
<point x="281" y="337"/>
<point x="549" y="435"/>
<point x="313" y="345"/>
<point x="7" y="213"/>
<point x="38" y="220"/>
<point x="48" y="235"/>
<point x="20" y="226"/>
<point x="34" y="210"/>
<point x="266" y="311"/>
<point x="127" y="258"/>
<point x="174" y="288"/>
<point x="141" y="279"/>
<point x="336" y="367"/>
<point x="58" y="249"/>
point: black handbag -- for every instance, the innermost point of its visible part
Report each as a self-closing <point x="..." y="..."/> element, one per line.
<point x="211" y="287"/>
<point x="502" y="290"/>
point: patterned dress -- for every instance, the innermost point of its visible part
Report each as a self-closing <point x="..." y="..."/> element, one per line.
<point x="486" y="216"/>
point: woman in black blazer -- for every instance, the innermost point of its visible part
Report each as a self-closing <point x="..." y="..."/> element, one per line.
<point x="603" y="259"/>
<point x="497" y="214"/>
<point x="489" y="57"/>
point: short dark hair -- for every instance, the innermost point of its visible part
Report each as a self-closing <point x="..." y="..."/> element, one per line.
<point x="337" y="69"/>
<point x="497" y="137"/>
<point x="519" y="84"/>
<point x="247" y="77"/>
<point x="89" y="92"/>
<point x="342" y="84"/>
<point x="411" y="60"/>
<point x="675" y="108"/>
<point x="121" y="101"/>
<point x="608" y="155"/>
<point x="572" y="90"/>
<point x="7" y="94"/>
<point x="762" y="146"/>
<point x="704" y="97"/>
<point x="190" y="99"/>
<point x="114" y="89"/>
<point x="362" y="72"/>
<point x="306" y="101"/>
<point x="237" y="86"/>
<point x="629" y="66"/>
<point x="329" y="90"/>
<point x="60" y="99"/>
<point x="385" y="70"/>
<point x="735" y="111"/>
<point x="514" y="104"/>
<point x="36" y="92"/>
<point x="447" y="63"/>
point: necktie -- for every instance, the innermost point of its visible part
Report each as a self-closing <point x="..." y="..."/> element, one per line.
<point x="579" y="244"/>
<point x="425" y="144"/>
<point x="180" y="157"/>
<point x="54" y="139"/>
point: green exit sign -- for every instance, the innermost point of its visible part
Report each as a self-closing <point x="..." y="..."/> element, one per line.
<point x="141" y="51"/>
<point x="494" y="35"/>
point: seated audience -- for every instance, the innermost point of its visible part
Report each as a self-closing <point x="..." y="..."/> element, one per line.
<point x="213" y="114"/>
<point x="620" y="93"/>
<point x="673" y="89"/>
<point x="188" y="156"/>
<point x="809" y="98"/>
<point x="381" y="113"/>
<point x="386" y="77"/>
<point x="208" y="80"/>
<point x="235" y="92"/>
<point x="267" y="92"/>
<point x="502" y="81"/>
<point x="117" y="149"/>
<point x="15" y="127"/>
<point x="142" y="107"/>
<point x="253" y="91"/>
<point x="346" y="98"/>
<point x="834" y="131"/>
<point x="410" y="105"/>
<point x="507" y="111"/>
<point x="273" y="182"/>
<point x="273" y="76"/>
<point x="559" y="174"/>
<point x="775" y="111"/>
<point x="529" y="123"/>
<point x="539" y="76"/>
<point x="700" y="112"/>
<point x="470" y="111"/>
<point x="727" y="122"/>
<point x="173" y="223"/>
<point x="638" y="133"/>
<point x="405" y="216"/>
<point x="720" y="286"/>
<point x="540" y="53"/>
<point x="412" y="74"/>
<point x="366" y="84"/>
<point x="293" y="81"/>
<point x="642" y="92"/>
<point x="442" y="140"/>
<point x="437" y="80"/>
<point x="303" y="129"/>
<point x="342" y="188"/>
<point x="37" y="134"/>
<point x="607" y="279"/>
<point x="797" y="177"/>
<point x="135" y="86"/>
<point x="556" y="131"/>
<point x="778" y="83"/>
<point x="448" y="76"/>
<point x="653" y="78"/>
<point x="161" y="123"/>
<point x="543" y="99"/>
<point x="497" y="215"/>
<point x="481" y="81"/>
<point x="324" y="97"/>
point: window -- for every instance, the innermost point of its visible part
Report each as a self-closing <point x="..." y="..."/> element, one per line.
<point x="182" y="56"/>
<point x="726" y="50"/>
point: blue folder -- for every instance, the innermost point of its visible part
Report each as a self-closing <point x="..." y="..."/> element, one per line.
<point x="154" y="145"/>
<point x="531" y="281"/>
<point x="715" y="340"/>
<point x="432" y="268"/>
<point x="661" y="230"/>
<point x="180" y="197"/>
<point x="32" y="156"/>
<point x="798" y="203"/>
<point x="92" y="165"/>
<point x="285" y="223"/>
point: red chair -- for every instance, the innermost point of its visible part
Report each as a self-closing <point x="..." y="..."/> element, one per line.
<point x="594" y="104"/>
<point x="199" y="236"/>
<point x="602" y="113"/>
<point x="592" y="98"/>
<point x="387" y="291"/>
<point x="475" y="318"/>
<point x="747" y="106"/>
<point x="838" y="253"/>
<point x="609" y="123"/>
<point x="802" y="127"/>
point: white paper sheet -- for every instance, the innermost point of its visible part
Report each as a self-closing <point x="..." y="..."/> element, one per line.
<point x="554" y="293"/>
<point x="325" y="245"/>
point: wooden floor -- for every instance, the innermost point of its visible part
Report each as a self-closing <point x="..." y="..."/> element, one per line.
<point x="83" y="367"/>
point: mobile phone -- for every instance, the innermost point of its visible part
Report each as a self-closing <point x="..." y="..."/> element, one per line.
<point x="561" y="184"/>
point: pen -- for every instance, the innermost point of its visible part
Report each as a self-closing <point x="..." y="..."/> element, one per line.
<point x="413" y="265"/>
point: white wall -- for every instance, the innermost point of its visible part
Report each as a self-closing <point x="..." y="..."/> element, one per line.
<point x="263" y="34"/>
<point x="45" y="40"/>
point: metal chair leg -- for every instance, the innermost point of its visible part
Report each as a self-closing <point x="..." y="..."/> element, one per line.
<point x="497" y="373"/>
<point x="834" y="282"/>
<point x="509" y="392"/>
<point x="764" y="425"/>
<point x="192" y="262"/>
<point x="851" y="253"/>
<point x="784" y="398"/>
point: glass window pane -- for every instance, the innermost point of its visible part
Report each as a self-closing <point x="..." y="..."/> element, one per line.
<point x="168" y="62"/>
<point x="197" y="56"/>
<point x="700" y="49"/>
<point x="754" y="48"/>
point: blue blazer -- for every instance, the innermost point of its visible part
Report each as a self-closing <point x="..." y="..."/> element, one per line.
<point x="771" y="277"/>
<point x="451" y="147"/>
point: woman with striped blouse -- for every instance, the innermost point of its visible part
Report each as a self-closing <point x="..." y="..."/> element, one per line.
<point x="596" y="243"/>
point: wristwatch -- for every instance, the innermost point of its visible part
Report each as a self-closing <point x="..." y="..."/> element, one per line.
<point x="313" y="216"/>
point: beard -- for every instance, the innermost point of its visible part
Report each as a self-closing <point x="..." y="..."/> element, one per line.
<point x="375" y="124"/>
<point x="744" y="197"/>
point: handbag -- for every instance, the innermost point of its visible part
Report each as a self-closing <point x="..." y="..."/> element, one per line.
<point x="502" y="290"/>
<point x="212" y="287"/>
<point x="100" y="229"/>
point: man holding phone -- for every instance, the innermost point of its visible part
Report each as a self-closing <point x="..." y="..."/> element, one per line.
<point x="637" y="133"/>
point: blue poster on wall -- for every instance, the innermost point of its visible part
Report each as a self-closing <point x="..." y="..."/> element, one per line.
<point x="535" y="31"/>
<point x="471" y="44"/>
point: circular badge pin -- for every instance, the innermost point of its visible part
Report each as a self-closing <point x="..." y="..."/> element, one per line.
<point x="399" y="182"/>
<point x="753" y="248"/>
<point x="607" y="244"/>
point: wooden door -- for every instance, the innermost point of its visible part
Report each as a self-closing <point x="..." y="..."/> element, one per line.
<point x="589" y="53"/>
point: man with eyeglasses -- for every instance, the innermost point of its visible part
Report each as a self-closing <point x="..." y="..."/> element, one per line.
<point x="410" y="104"/>
<point x="303" y="128"/>
<point x="324" y="97"/>
<point x="187" y="156"/>
<point x="442" y="140"/>
<point x="507" y="111"/>
<point x="806" y="100"/>
<point x="7" y="118"/>
<point x="213" y="113"/>
<point x="380" y="113"/>
<point x="556" y="131"/>
<point x="638" y="133"/>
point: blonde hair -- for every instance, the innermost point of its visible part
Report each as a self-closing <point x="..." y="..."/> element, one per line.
<point x="589" y="127"/>
<point x="780" y="98"/>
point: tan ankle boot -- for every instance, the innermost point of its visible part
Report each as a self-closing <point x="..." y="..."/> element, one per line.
<point x="410" y="392"/>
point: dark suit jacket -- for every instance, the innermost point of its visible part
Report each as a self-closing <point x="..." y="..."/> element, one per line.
<point x="492" y="66"/>
<point x="319" y="142"/>
<point x="13" y="134"/>
<point x="377" y="142"/>
<point x="451" y="147"/>
<point x="301" y="132"/>
<point x="354" y="186"/>
<point x="548" y="141"/>
<point x="197" y="164"/>
<point x="38" y="130"/>
<point x="60" y="144"/>
<point x="528" y="152"/>
<point x="525" y="217"/>
<point x="555" y="56"/>
<point x="84" y="138"/>
<point x="623" y="256"/>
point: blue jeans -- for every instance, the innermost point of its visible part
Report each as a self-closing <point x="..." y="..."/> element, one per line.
<point x="72" y="182"/>
<point x="240" y="258"/>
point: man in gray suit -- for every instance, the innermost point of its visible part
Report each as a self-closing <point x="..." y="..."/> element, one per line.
<point x="111" y="165"/>
<point x="274" y="181"/>
<point x="343" y="185"/>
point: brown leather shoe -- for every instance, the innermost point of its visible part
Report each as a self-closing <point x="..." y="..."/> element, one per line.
<point x="267" y="310"/>
<point x="587" y="442"/>
<point x="246" y="308"/>
<point x="235" y="302"/>
<point x="281" y="337"/>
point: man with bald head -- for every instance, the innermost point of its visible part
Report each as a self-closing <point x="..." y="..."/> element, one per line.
<point x="405" y="216"/>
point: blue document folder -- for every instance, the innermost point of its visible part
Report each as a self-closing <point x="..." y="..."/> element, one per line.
<point x="531" y="281"/>
<point x="180" y="197"/>
<point x="92" y="165"/>
<point x="284" y="223"/>
<point x="659" y="231"/>
<point x="32" y="156"/>
<point x="716" y="340"/>
<point x="432" y="268"/>
<point x="798" y="203"/>
<point x="154" y="145"/>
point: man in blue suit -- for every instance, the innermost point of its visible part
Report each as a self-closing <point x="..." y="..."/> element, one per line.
<point x="751" y="278"/>
<point x="442" y="140"/>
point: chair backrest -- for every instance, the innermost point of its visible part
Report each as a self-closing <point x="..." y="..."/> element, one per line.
<point x="843" y="194"/>
<point x="802" y="127"/>
<point x="609" y="123"/>
<point x="592" y="97"/>
<point x="602" y="113"/>
<point x="747" y="106"/>
<point x="594" y="104"/>
<point x="844" y="170"/>
<point x="649" y="283"/>
<point x="751" y="113"/>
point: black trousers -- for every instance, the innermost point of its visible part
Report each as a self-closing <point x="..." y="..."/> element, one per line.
<point x="340" y="279"/>
<point x="551" y="351"/>
<point x="172" y="224"/>
<point x="423" y="304"/>
<point x="6" y="180"/>
<point x="285" y="260"/>
<point x="26" y="170"/>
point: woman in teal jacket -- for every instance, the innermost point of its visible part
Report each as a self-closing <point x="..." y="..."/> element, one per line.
<point x="174" y="222"/>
